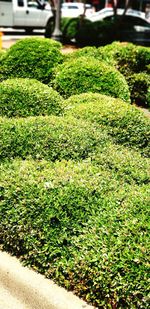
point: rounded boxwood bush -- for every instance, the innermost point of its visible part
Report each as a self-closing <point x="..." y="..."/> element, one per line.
<point x="88" y="51"/>
<point x="125" y="123"/>
<point x="90" y="75"/>
<point x="32" y="58"/>
<point x="138" y="85"/>
<point x="49" y="137"/>
<point x="81" y="225"/>
<point x="69" y="28"/>
<point x="28" y="97"/>
<point x="127" y="57"/>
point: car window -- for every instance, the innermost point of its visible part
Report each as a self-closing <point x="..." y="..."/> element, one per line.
<point x="134" y="20"/>
<point x="72" y="7"/>
<point x="130" y="20"/>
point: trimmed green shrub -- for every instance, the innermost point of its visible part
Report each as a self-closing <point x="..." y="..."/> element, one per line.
<point x="28" y="97"/>
<point x="2" y="53"/>
<point x="142" y="58"/>
<point x="85" y="34"/>
<point x="69" y="28"/>
<point x="81" y="225"/>
<point x="138" y="85"/>
<point x="90" y="75"/>
<point x="32" y="58"/>
<point x="88" y="51"/>
<point x="148" y="97"/>
<point x="88" y="33"/>
<point x="53" y="138"/>
<point x="148" y="69"/>
<point x="128" y="58"/>
<point x="125" y="123"/>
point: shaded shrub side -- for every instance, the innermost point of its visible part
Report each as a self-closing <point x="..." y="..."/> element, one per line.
<point x="139" y="84"/>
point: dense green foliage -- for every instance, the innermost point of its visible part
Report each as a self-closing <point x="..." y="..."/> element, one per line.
<point x="82" y="224"/>
<point x="28" y="97"/>
<point x="69" y="28"/>
<point x="96" y="33"/>
<point x="31" y="58"/>
<point x="125" y="123"/>
<point x="90" y="75"/>
<point x="74" y="187"/>
<point x="86" y="32"/>
<point x="90" y="52"/>
<point x="128" y="58"/>
<point x="139" y="84"/>
<point x="53" y="138"/>
<point x="1" y="53"/>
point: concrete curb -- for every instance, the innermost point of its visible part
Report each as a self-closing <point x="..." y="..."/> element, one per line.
<point x="22" y="288"/>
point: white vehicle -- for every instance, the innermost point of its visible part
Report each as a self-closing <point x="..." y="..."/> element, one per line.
<point x="109" y="12"/>
<point x="24" y="14"/>
<point x="74" y="9"/>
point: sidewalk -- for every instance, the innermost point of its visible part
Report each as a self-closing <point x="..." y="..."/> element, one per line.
<point x="22" y="288"/>
<point x="8" y="42"/>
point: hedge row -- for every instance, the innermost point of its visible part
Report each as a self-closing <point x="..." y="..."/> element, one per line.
<point x="125" y="123"/>
<point x="52" y="138"/>
<point x="81" y="224"/>
<point x="28" y="97"/>
<point x="31" y="58"/>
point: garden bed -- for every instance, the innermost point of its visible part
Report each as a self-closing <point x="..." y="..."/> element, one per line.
<point x="74" y="179"/>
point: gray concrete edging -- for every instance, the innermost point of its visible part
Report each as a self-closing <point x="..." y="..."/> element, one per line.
<point x="23" y="288"/>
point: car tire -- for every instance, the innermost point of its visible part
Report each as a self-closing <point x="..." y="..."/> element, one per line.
<point x="49" y="28"/>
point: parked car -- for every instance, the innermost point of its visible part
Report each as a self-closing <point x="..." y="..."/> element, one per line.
<point x="133" y="26"/>
<point x="109" y="13"/>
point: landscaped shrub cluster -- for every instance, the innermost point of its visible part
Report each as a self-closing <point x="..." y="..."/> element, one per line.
<point x="132" y="61"/>
<point x="74" y="185"/>
<point x="28" y="97"/>
<point x="90" y="75"/>
<point x="32" y="58"/>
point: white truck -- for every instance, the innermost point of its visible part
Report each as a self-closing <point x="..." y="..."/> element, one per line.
<point x="25" y="14"/>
